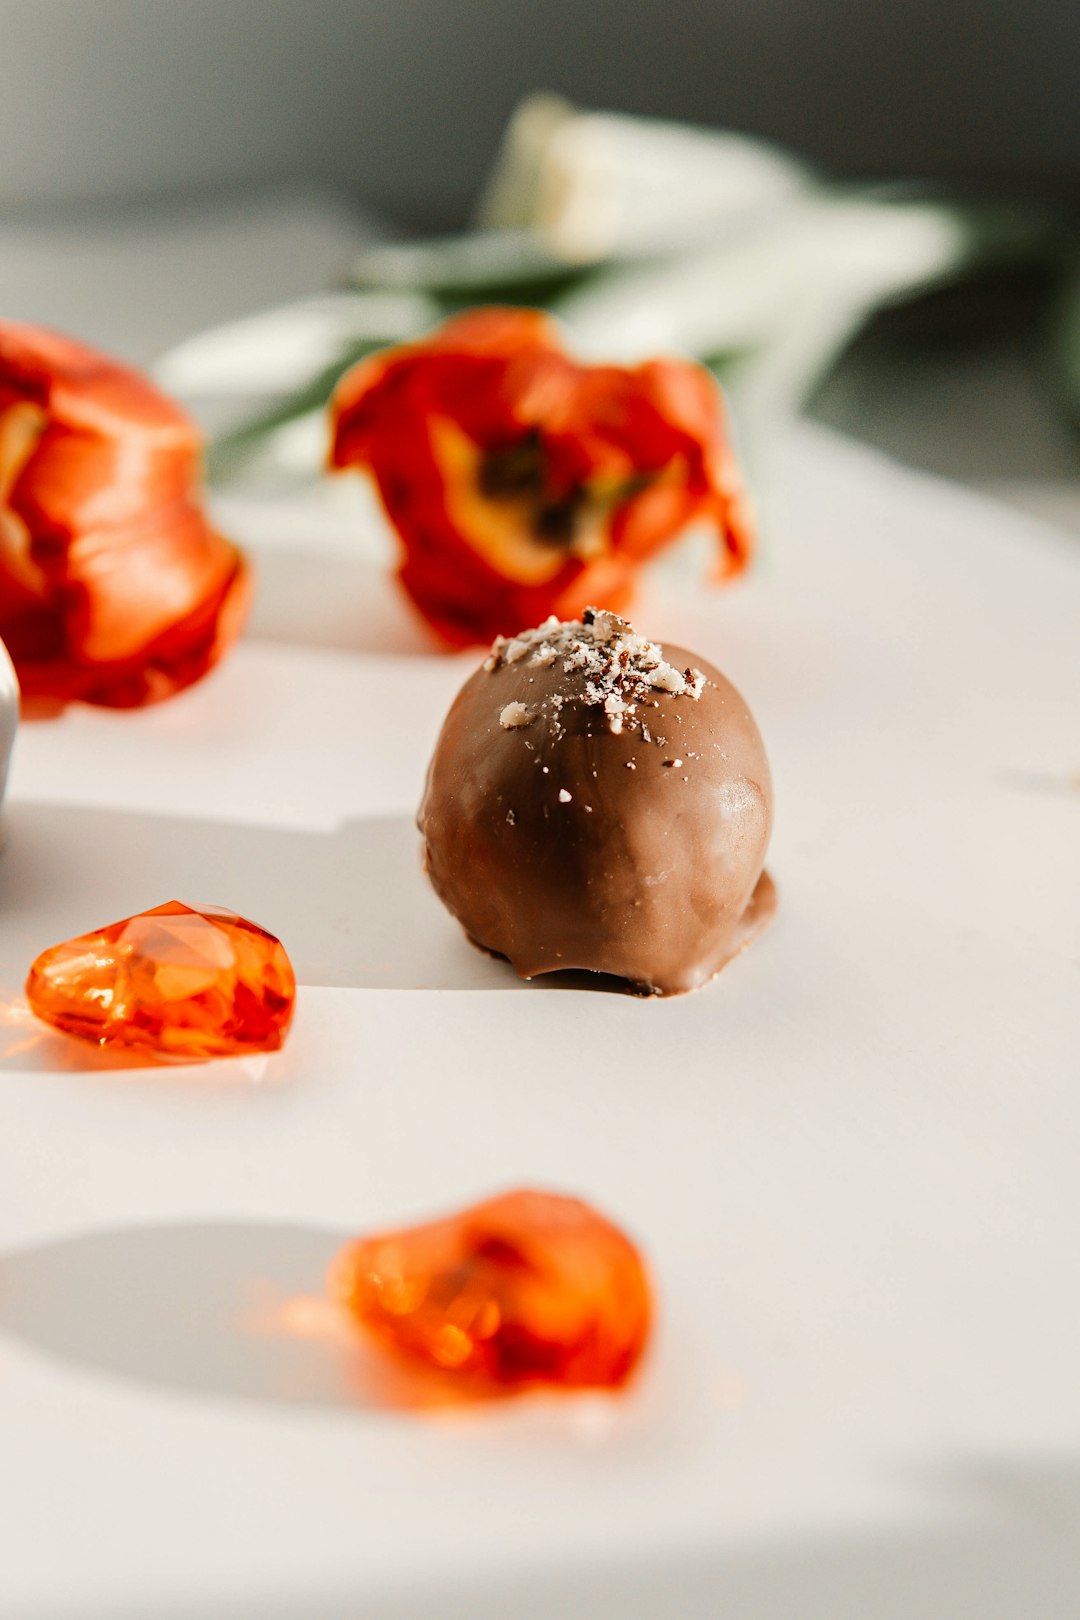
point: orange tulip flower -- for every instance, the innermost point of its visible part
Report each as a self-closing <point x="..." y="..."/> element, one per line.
<point x="522" y="484"/>
<point x="113" y="586"/>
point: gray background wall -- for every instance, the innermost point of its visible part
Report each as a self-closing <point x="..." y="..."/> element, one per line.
<point x="402" y="100"/>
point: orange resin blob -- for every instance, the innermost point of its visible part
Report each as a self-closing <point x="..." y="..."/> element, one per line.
<point x="526" y="1288"/>
<point x="177" y="982"/>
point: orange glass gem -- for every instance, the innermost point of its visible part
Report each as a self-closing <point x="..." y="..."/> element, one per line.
<point x="525" y="1288"/>
<point x="177" y="982"/>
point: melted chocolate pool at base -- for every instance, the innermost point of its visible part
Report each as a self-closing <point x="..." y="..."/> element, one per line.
<point x="754" y="921"/>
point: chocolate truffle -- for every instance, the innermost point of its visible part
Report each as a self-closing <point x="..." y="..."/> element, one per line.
<point x="596" y="801"/>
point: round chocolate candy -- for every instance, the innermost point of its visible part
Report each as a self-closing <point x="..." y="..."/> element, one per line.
<point x="598" y="802"/>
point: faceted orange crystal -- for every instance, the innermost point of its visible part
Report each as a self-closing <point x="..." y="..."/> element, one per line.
<point x="526" y="1288"/>
<point x="177" y="982"/>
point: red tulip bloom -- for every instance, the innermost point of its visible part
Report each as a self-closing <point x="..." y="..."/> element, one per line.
<point x="113" y="586"/>
<point x="522" y="484"/>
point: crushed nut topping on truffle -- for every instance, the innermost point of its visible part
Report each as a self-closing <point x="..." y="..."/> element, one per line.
<point x="619" y="669"/>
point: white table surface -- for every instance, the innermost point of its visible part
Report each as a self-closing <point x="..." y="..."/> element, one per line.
<point x="851" y="1161"/>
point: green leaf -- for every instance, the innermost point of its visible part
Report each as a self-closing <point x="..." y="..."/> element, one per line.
<point x="229" y="452"/>
<point x="1065" y="344"/>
